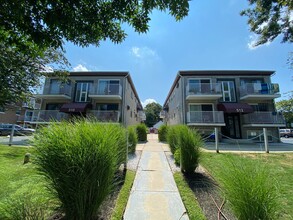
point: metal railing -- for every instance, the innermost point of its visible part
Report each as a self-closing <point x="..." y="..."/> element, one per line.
<point x="104" y="116"/>
<point x="46" y="116"/>
<point x="259" y="89"/>
<point x="203" y="89"/>
<point x="59" y="89"/>
<point x="205" y="117"/>
<point x="264" y="118"/>
<point x="109" y="89"/>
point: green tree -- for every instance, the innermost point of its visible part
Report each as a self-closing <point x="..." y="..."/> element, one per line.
<point x="286" y="107"/>
<point x="152" y="112"/>
<point x="21" y="66"/>
<point x="86" y="22"/>
<point x="269" y="19"/>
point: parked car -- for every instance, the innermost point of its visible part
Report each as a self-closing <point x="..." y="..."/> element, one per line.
<point x="286" y="133"/>
<point x="5" y="129"/>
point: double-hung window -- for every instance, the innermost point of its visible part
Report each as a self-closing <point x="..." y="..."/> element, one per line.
<point x="228" y="90"/>
<point x="82" y="91"/>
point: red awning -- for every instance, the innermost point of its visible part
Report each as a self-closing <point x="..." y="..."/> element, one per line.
<point x="74" y="107"/>
<point x="235" y="108"/>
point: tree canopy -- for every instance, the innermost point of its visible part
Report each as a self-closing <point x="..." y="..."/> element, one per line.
<point x="269" y="19"/>
<point x="286" y="107"/>
<point x="49" y="22"/>
<point x="152" y="112"/>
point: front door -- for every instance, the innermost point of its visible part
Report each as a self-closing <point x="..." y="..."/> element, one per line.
<point x="232" y="128"/>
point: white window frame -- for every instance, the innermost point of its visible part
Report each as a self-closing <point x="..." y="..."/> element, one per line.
<point x="86" y="92"/>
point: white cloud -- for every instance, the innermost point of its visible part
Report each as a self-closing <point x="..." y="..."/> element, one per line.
<point x="148" y="101"/>
<point x="252" y="42"/>
<point x="143" y="52"/>
<point x="80" y="67"/>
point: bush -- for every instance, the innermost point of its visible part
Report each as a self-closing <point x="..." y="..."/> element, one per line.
<point x="177" y="156"/>
<point x="141" y="131"/>
<point x="132" y="139"/>
<point x="173" y="137"/>
<point x="162" y="132"/>
<point x="249" y="189"/>
<point x="190" y="142"/>
<point x="80" y="159"/>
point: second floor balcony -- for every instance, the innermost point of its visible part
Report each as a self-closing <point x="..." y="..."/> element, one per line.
<point x="203" y="91"/>
<point x="56" y="90"/>
<point x="205" y="118"/>
<point x="264" y="119"/>
<point x="106" y="91"/>
<point x="259" y="91"/>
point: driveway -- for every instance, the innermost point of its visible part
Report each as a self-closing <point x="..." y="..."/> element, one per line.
<point x="17" y="140"/>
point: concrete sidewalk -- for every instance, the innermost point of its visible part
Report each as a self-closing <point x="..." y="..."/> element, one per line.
<point x="154" y="194"/>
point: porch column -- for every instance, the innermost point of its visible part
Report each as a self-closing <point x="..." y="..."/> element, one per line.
<point x="265" y="134"/>
<point x="217" y="139"/>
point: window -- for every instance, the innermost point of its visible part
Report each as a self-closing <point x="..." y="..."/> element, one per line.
<point x="260" y="107"/>
<point x="107" y="107"/>
<point x="81" y="91"/>
<point x="53" y="106"/>
<point x="200" y="113"/>
<point x="109" y="87"/>
<point x="58" y="87"/>
<point x="228" y="90"/>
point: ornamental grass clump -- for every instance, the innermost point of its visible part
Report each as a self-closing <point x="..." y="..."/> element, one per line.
<point x="132" y="139"/>
<point x="249" y="189"/>
<point x="173" y="137"/>
<point x="162" y="132"/>
<point x="141" y="130"/>
<point x="190" y="143"/>
<point x="79" y="160"/>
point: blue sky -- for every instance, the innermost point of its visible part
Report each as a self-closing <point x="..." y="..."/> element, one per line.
<point x="212" y="37"/>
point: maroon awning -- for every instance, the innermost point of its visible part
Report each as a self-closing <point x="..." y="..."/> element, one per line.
<point x="74" y="107"/>
<point x="235" y="108"/>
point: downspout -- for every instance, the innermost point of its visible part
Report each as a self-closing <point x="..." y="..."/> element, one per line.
<point x="124" y="101"/>
<point x="183" y="99"/>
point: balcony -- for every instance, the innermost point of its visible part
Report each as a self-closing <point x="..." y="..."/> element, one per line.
<point x="59" y="91"/>
<point x="264" y="119"/>
<point x="45" y="116"/>
<point x="104" y="116"/>
<point x="205" y="118"/>
<point x="203" y="91"/>
<point x="259" y="91"/>
<point x="109" y="91"/>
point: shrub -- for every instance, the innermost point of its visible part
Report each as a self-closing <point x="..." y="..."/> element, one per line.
<point x="177" y="156"/>
<point x="249" y="189"/>
<point x="173" y="137"/>
<point x="141" y="130"/>
<point x="190" y="143"/>
<point x="80" y="159"/>
<point x="162" y="132"/>
<point x="132" y="139"/>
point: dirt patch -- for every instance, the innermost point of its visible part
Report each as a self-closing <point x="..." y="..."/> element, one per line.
<point x="208" y="195"/>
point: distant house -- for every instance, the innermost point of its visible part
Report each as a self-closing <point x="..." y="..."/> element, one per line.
<point x="105" y="96"/>
<point x="240" y="103"/>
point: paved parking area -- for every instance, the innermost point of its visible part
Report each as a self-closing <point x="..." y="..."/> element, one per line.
<point x="17" y="140"/>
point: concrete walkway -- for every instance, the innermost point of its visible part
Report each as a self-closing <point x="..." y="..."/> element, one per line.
<point x="154" y="194"/>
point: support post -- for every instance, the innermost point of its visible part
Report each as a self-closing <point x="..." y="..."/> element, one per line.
<point x="217" y="139"/>
<point x="11" y="134"/>
<point x="265" y="134"/>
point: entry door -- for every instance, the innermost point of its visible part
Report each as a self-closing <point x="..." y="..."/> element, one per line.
<point x="232" y="128"/>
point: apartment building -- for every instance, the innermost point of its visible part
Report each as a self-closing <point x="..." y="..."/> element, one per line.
<point x="239" y="103"/>
<point x="105" y="96"/>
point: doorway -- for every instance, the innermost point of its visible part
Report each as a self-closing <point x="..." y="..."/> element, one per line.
<point x="232" y="128"/>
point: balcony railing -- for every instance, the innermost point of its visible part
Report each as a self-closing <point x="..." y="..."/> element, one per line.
<point x="109" y="89"/>
<point x="259" y="89"/>
<point x="205" y="117"/>
<point x="264" y="118"/>
<point x="43" y="116"/>
<point x="204" y="89"/>
<point x="59" y="89"/>
<point x="104" y="116"/>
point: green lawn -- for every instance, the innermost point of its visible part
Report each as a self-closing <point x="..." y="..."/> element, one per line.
<point x="20" y="182"/>
<point x="280" y="166"/>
